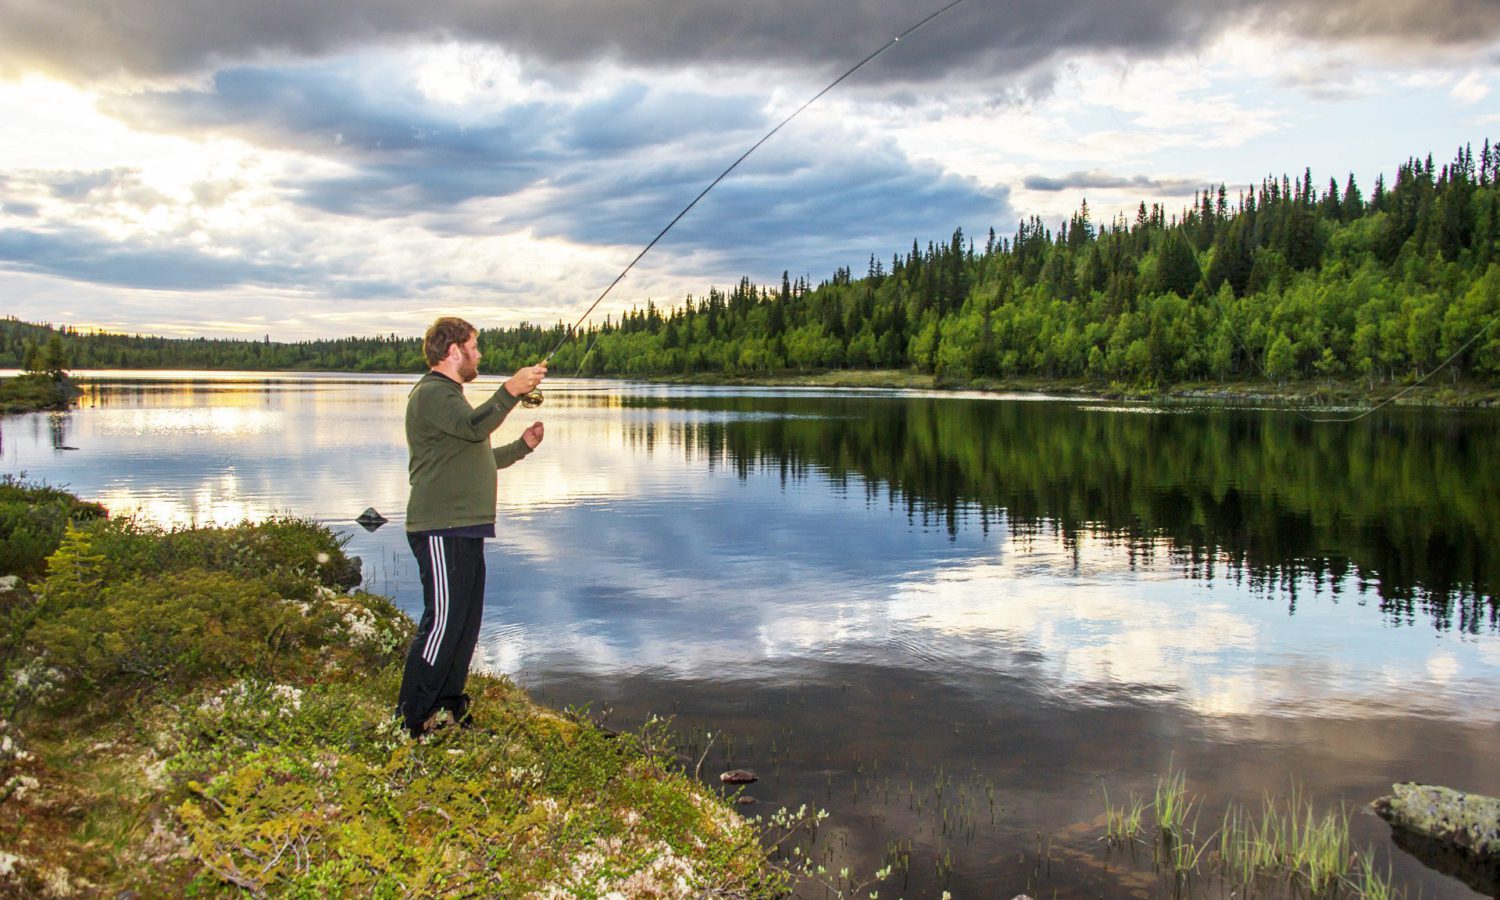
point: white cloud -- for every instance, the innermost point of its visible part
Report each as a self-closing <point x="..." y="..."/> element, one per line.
<point x="1471" y="89"/>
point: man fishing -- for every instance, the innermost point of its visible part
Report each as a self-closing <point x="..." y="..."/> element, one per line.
<point x="449" y="513"/>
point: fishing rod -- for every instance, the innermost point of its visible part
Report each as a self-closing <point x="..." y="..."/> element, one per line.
<point x="534" y="398"/>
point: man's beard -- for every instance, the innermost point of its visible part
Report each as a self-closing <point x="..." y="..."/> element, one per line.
<point x="468" y="369"/>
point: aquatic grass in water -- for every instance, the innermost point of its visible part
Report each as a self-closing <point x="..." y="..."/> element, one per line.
<point x="1173" y="804"/>
<point x="1294" y="842"/>
<point x="1289" y="841"/>
<point x="1176" y="824"/>
<point x="1123" y="824"/>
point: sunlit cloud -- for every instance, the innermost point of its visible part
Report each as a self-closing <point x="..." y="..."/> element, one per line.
<point x="1471" y="89"/>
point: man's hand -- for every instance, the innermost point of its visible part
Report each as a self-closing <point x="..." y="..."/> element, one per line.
<point x="525" y="380"/>
<point x="533" y="435"/>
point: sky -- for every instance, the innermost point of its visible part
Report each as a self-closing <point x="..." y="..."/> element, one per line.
<point x="229" y="168"/>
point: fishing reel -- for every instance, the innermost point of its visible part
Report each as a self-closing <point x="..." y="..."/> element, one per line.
<point x="531" y="399"/>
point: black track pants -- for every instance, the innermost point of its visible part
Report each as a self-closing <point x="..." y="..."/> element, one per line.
<point x="437" y="665"/>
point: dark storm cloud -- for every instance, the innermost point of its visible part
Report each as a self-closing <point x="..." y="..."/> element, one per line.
<point x="83" y="38"/>
<point x="612" y="169"/>
<point x="615" y="168"/>
<point x="810" y="205"/>
<point x="121" y="185"/>
<point x="78" y="254"/>
<point x="83" y="256"/>
<point x="1084" y="180"/>
<point x="407" y="157"/>
<point x="325" y="110"/>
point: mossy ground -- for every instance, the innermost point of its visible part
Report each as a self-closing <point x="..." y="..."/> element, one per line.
<point x="201" y="713"/>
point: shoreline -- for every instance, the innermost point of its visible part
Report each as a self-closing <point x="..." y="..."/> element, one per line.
<point x="1323" y="392"/>
<point x="33" y="393"/>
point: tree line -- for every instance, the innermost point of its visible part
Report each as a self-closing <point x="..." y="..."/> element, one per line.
<point x="43" y="348"/>
<point x="1286" y="280"/>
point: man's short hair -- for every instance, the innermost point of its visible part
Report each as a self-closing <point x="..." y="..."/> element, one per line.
<point x="444" y="333"/>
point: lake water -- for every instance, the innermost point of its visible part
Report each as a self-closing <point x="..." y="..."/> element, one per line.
<point x="953" y="621"/>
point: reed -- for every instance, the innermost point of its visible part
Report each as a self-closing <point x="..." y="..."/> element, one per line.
<point x="1294" y="841"/>
<point x="1123" y="824"/>
<point x="1288" y="841"/>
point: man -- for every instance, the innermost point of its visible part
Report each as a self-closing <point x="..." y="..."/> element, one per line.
<point x="450" y="511"/>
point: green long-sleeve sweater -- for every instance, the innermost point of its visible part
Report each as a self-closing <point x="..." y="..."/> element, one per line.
<point x="452" y="469"/>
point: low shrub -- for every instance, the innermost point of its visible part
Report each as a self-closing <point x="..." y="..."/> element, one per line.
<point x="33" y="518"/>
<point x="284" y="546"/>
<point x="175" y="628"/>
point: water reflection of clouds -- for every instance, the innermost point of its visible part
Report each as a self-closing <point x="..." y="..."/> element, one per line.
<point x="215" y="421"/>
<point x="1090" y="631"/>
<point x="746" y="576"/>
<point x="1217" y="650"/>
<point x="1489" y="651"/>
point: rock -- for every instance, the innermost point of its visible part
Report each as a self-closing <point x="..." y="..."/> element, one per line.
<point x="345" y="573"/>
<point x="13" y="590"/>
<point x="738" y="776"/>
<point x="1451" y="831"/>
<point x="371" y="519"/>
<point x="744" y="800"/>
<point x="1468" y="821"/>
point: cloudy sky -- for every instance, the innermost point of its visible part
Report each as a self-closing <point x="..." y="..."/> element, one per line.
<point x="297" y="169"/>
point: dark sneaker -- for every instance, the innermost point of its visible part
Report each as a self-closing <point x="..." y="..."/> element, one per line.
<point x="460" y="711"/>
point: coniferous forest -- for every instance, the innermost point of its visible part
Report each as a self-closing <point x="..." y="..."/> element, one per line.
<point x="1290" y="280"/>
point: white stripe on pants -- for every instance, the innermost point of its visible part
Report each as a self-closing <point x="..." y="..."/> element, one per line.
<point x="439" y="600"/>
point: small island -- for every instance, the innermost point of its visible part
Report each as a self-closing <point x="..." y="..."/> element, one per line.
<point x="43" y="385"/>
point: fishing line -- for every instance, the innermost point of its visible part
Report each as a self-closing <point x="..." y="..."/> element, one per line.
<point x="1234" y="333"/>
<point x="534" y="398"/>
<point x="1456" y="354"/>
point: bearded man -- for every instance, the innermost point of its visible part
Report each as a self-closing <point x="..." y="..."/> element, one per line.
<point x="449" y="513"/>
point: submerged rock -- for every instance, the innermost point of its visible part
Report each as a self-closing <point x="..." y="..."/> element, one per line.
<point x="1455" y="833"/>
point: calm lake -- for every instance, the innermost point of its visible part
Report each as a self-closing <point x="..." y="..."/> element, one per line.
<point x="953" y="621"/>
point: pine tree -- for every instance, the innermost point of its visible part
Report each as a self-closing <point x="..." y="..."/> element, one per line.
<point x="1177" y="266"/>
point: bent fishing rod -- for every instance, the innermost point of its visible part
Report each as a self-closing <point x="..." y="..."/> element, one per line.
<point x="534" y="398"/>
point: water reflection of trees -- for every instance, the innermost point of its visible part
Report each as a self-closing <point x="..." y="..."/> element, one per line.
<point x="1408" y="504"/>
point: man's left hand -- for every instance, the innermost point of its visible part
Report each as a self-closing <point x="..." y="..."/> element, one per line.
<point x="533" y="435"/>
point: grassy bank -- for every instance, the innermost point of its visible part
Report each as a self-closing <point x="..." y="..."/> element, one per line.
<point x="31" y="392"/>
<point x="206" y="712"/>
